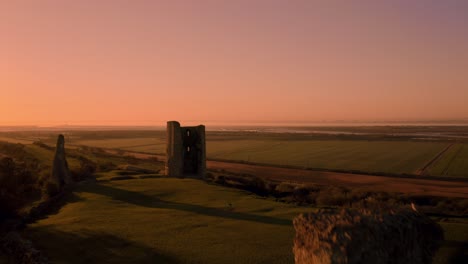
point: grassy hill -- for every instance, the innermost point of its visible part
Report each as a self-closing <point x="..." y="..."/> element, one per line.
<point x="165" y="221"/>
<point x="168" y="220"/>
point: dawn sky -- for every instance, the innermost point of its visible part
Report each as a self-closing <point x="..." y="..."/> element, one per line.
<point x="144" y="62"/>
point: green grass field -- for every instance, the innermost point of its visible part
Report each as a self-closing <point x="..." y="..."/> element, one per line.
<point x="453" y="163"/>
<point x="164" y="220"/>
<point x="459" y="165"/>
<point x="150" y="145"/>
<point x="168" y="220"/>
<point x="362" y="155"/>
<point x="369" y="156"/>
<point x="455" y="248"/>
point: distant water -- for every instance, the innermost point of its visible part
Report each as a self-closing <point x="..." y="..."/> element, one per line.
<point x="331" y="128"/>
<point x="362" y="130"/>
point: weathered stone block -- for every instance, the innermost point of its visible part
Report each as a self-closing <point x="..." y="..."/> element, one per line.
<point x="363" y="236"/>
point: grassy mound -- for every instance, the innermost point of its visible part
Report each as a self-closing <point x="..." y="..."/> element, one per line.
<point x="165" y="220"/>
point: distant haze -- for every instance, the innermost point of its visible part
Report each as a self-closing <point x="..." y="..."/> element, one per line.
<point x="142" y="62"/>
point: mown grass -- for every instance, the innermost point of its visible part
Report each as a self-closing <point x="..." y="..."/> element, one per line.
<point x="455" y="247"/>
<point x="166" y="221"/>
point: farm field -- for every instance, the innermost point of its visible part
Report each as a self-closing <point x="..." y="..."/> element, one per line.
<point x="170" y="220"/>
<point x="149" y="145"/>
<point x="362" y="153"/>
<point x="453" y="163"/>
<point x="368" y="156"/>
<point x="163" y="220"/>
<point x="371" y="156"/>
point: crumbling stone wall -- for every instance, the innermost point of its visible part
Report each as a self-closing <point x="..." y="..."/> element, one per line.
<point x="60" y="173"/>
<point x="354" y="236"/>
<point x="186" y="151"/>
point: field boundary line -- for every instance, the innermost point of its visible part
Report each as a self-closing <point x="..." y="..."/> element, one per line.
<point x="423" y="171"/>
<point x="445" y="172"/>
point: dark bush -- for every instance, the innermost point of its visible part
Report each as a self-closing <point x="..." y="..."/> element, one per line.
<point x="300" y="195"/>
<point x="337" y="195"/>
<point x="332" y="196"/>
<point x="284" y="189"/>
<point x="107" y="166"/>
<point x="86" y="170"/>
<point x="18" y="186"/>
<point x="220" y="179"/>
<point x="51" y="189"/>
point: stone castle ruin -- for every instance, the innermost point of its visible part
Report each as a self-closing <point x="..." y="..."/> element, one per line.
<point x="363" y="236"/>
<point x="186" y="151"/>
<point x="60" y="173"/>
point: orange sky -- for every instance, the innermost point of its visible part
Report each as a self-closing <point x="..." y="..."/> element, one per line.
<point x="144" y="62"/>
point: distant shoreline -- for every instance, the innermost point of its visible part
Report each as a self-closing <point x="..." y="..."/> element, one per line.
<point x="253" y="127"/>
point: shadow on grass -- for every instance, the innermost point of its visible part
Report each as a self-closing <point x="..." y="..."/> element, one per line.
<point x="153" y="202"/>
<point x="91" y="247"/>
<point x="51" y="207"/>
<point x="461" y="251"/>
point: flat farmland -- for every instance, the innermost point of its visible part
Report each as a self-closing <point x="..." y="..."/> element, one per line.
<point x="453" y="163"/>
<point x="149" y="145"/>
<point x="381" y="153"/>
<point x="361" y="155"/>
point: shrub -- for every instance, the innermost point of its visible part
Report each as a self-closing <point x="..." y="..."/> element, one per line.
<point x="220" y="179"/>
<point x="87" y="169"/>
<point x="332" y="196"/>
<point x="18" y="186"/>
<point x="300" y="195"/>
<point x="209" y="176"/>
<point x="107" y="166"/>
<point x="284" y="189"/>
<point x="51" y="189"/>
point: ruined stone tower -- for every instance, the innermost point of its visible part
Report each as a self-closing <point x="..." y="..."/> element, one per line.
<point x="186" y="151"/>
<point x="60" y="172"/>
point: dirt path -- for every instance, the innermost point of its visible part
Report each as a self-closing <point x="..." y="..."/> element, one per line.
<point x="425" y="168"/>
